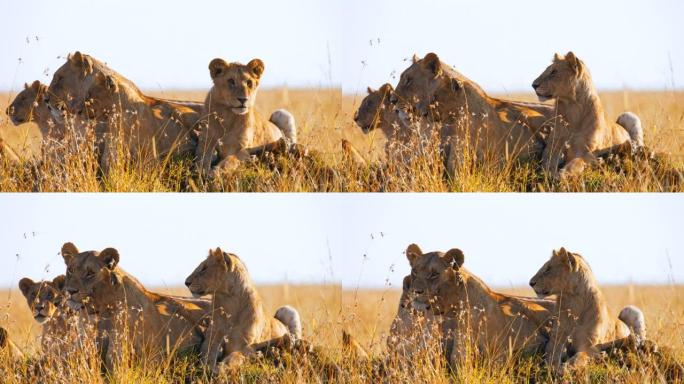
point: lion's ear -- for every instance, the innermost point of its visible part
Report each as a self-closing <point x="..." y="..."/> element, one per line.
<point x="110" y="257"/>
<point x="217" y="67"/>
<point x="35" y="85"/>
<point x="25" y="285"/>
<point x="26" y="86"/>
<point x="69" y="250"/>
<point x="415" y="58"/>
<point x="369" y="90"/>
<point x="413" y="252"/>
<point x="386" y="88"/>
<point x="257" y="67"/>
<point x="227" y="260"/>
<point x="575" y="63"/>
<point x="431" y="63"/>
<point x="456" y="257"/>
<point x="59" y="282"/>
<point x="456" y="84"/>
<point x="81" y="61"/>
<point x="557" y="57"/>
<point x="567" y="258"/>
<point x="110" y="83"/>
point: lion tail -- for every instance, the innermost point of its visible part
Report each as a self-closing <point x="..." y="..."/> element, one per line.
<point x="633" y="318"/>
<point x="286" y="123"/>
<point x="290" y="317"/>
<point x="632" y="124"/>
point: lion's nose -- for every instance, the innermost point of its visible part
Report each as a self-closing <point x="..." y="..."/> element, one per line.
<point x="242" y="100"/>
<point x="535" y="85"/>
<point x="188" y="283"/>
<point x="393" y="99"/>
<point x="71" y="291"/>
<point x="533" y="283"/>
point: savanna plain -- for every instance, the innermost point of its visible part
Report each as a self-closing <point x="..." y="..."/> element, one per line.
<point x="324" y="120"/>
<point x="366" y="314"/>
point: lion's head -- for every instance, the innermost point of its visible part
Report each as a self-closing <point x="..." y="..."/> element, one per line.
<point x="219" y="272"/>
<point x="376" y="109"/>
<point x="562" y="273"/>
<point x="560" y="79"/>
<point x="102" y="97"/>
<point x="428" y="85"/>
<point x="69" y="87"/>
<point x="44" y="298"/>
<point x="89" y="274"/>
<point x="22" y="110"/>
<point x="436" y="278"/>
<point x="235" y="84"/>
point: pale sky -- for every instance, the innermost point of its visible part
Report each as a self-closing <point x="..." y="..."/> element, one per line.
<point x="356" y="239"/>
<point x="501" y="44"/>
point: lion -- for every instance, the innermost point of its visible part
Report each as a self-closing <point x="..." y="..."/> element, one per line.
<point x="234" y="126"/>
<point x="378" y="111"/>
<point x="238" y="321"/>
<point x="482" y="321"/>
<point x="587" y="132"/>
<point x="151" y="324"/>
<point x="581" y="314"/>
<point x="494" y="130"/>
<point x="29" y="106"/>
<point x="86" y="88"/>
<point x="47" y="302"/>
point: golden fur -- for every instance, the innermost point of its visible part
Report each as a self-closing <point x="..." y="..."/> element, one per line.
<point x="152" y="324"/>
<point x="585" y="130"/>
<point x="238" y="320"/>
<point x="581" y="314"/>
<point x="47" y="302"/>
<point x="8" y="349"/>
<point x="29" y="106"/>
<point x="234" y="126"/>
<point x="378" y="111"/>
<point x="492" y="324"/>
<point x="493" y="129"/>
<point x="87" y="89"/>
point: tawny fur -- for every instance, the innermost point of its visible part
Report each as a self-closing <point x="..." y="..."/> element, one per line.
<point x="148" y="127"/>
<point x="584" y="129"/>
<point x="469" y="120"/>
<point x="237" y="320"/>
<point x="152" y="324"/>
<point x="481" y="321"/>
<point x="581" y="314"/>
<point x="234" y="126"/>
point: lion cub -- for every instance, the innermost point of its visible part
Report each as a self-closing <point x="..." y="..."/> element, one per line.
<point x="47" y="302"/>
<point x="238" y="320"/>
<point x="582" y="320"/>
<point x="234" y="126"/>
<point x="588" y="132"/>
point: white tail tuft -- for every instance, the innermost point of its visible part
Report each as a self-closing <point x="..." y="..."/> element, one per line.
<point x="286" y="123"/>
<point x="290" y="317"/>
<point x="632" y="124"/>
<point x="634" y="319"/>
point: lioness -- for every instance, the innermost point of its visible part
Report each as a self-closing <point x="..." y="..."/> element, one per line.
<point x="495" y="129"/>
<point x="8" y="348"/>
<point x="129" y="314"/>
<point x="61" y="325"/>
<point x="581" y="314"/>
<point x="29" y="106"/>
<point x="492" y="324"/>
<point x="587" y="132"/>
<point x="234" y="125"/>
<point x="238" y="321"/>
<point x="148" y="126"/>
<point x="378" y="111"/>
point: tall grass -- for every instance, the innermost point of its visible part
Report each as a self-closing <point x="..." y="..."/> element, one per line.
<point x="324" y="118"/>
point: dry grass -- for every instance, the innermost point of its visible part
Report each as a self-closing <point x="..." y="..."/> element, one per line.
<point x="319" y="306"/>
<point x="324" y="117"/>
<point x="369" y="313"/>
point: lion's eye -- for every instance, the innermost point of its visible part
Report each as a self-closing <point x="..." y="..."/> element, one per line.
<point x="407" y="82"/>
<point x="231" y="82"/>
<point x="90" y="275"/>
<point x="433" y="275"/>
<point x="548" y="269"/>
<point x="250" y="83"/>
<point x="553" y="73"/>
<point x="70" y="270"/>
